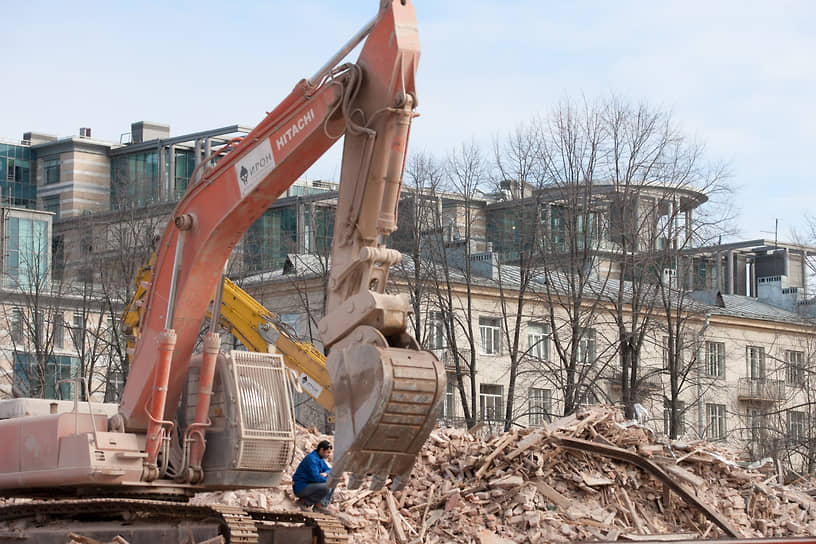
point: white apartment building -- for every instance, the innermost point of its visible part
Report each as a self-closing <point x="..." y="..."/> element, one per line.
<point x="748" y="364"/>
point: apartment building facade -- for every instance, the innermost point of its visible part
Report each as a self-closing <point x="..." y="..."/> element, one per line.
<point x="747" y="364"/>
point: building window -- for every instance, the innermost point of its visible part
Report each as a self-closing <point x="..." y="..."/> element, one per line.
<point x="756" y="424"/>
<point x="796" y="425"/>
<point x="436" y="331"/>
<point x="78" y="331"/>
<point x="59" y="330"/>
<point x="669" y="274"/>
<point x="52" y="171"/>
<point x="586" y="347"/>
<point x="26" y="252"/>
<point x="29" y="381"/>
<point x="755" y="359"/>
<point x="715" y="414"/>
<point x="449" y="406"/>
<point x="110" y="332"/>
<point x="115" y="385"/>
<point x="52" y="204"/>
<point x="540" y="401"/>
<point x="490" y="332"/>
<point x="491" y="402"/>
<point x="538" y="341"/>
<point x="681" y="412"/>
<point x="61" y="368"/>
<point x="17" y="325"/>
<point x="715" y="359"/>
<point x="795" y="367"/>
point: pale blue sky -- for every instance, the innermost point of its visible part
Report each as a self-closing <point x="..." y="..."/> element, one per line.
<point x="738" y="75"/>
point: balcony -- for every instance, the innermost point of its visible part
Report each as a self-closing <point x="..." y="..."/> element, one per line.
<point x="760" y="390"/>
<point x="452" y="421"/>
<point x="448" y="358"/>
<point x="648" y="382"/>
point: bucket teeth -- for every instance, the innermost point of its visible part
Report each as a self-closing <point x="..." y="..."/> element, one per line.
<point x="398" y="482"/>
<point x="355" y="480"/>
<point x="377" y="482"/>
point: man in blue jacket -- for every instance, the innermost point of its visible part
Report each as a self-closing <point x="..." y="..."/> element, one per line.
<point x="309" y="480"/>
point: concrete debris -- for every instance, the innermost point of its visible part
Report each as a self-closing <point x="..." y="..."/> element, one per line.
<point x="521" y="487"/>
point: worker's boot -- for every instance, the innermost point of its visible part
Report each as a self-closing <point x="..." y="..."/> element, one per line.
<point x="322" y="509"/>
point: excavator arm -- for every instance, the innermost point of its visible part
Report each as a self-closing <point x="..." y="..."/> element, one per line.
<point x="386" y="389"/>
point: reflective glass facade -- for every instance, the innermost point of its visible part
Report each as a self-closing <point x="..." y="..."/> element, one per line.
<point x="135" y="178"/>
<point x="26" y="252"/>
<point x="512" y="231"/>
<point x="271" y="238"/>
<point x="275" y="235"/>
<point x="16" y="176"/>
<point x="32" y="381"/>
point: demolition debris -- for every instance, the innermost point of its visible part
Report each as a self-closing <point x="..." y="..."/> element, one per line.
<point x="589" y="476"/>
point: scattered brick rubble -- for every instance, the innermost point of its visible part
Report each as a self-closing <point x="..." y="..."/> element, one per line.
<point x="522" y="487"/>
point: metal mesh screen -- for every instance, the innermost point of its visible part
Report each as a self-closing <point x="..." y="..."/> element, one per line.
<point x="266" y="419"/>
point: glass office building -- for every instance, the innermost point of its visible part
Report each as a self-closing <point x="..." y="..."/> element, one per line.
<point x="135" y="178"/>
<point x="17" y="187"/>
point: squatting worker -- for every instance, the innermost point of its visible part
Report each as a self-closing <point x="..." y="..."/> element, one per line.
<point x="309" y="480"/>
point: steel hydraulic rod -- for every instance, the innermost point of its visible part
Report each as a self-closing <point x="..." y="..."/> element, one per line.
<point x="345" y="50"/>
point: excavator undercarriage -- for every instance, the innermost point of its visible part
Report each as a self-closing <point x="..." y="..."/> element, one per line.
<point x="143" y="521"/>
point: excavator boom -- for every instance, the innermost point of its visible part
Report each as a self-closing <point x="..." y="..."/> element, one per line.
<point x="380" y="428"/>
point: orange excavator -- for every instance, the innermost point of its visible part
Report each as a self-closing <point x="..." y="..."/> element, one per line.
<point x="191" y="422"/>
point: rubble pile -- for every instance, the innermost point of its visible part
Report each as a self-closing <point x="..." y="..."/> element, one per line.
<point x="531" y="485"/>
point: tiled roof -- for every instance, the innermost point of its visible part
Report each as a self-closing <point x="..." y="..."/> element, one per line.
<point x="510" y="276"/>
<point x="742" y="306"/>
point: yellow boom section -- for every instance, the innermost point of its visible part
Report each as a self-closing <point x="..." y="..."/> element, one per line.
<point x="256" y="328"/>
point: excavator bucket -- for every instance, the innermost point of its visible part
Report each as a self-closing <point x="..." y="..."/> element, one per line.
<point x="386" y="403"/>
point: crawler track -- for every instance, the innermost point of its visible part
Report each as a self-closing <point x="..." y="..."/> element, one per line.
<point x="153" y="521"/>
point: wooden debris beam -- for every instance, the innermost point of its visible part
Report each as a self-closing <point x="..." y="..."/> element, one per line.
<point x="594" y="448"/>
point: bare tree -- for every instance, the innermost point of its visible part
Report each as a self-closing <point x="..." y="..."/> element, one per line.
<point x="571" y="148"/>
<point x="785" y="431"/>
<point x="516" y="233"/>
<point x="678" y="231"/>
<point x="34" y="315"/>
<point x="653" y="171"/>
<point x="122" y="245"/>
<point x="800" y="372"/>
<point x="419" y="209"/>
<point x="308" y="271"/>
<point x="451" y="244"/>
